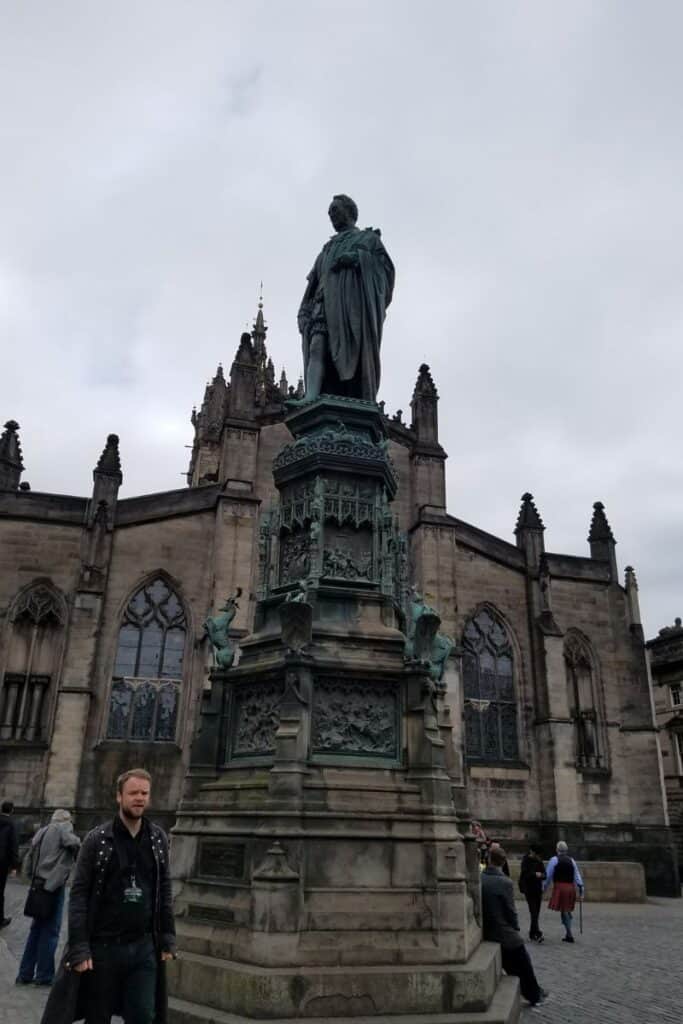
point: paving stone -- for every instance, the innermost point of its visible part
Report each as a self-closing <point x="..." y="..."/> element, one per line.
<point x="623" y="970"/>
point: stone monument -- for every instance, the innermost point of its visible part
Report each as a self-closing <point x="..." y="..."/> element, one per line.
<point x="322" y="868"/>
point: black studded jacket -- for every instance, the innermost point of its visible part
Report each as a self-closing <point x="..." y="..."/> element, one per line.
<point x="88" y="885"/>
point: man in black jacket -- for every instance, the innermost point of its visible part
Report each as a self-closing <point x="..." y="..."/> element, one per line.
<point x="531" y="876"/>
<point x="500" y="924"/>
<point x="9" y="854"/>
<point x="121" y="928"/>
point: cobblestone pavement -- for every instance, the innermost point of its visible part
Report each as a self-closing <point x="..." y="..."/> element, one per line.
<point x="624" y="969"/>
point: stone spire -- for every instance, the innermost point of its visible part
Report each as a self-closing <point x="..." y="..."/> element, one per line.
<point x="258" y="334"/>
<point x="11" y="465"/>
<point x="528" y="518"/>
<point x="214" y="408"/>
<point x="632" y="602"/>
<point x="423" y="405"/>
<point x="529" y="532"/>
<point x="243" y="380"/>
<point x="284" y="386"/>
<point x="109" y="463"/>
<point x="107" y="478"/>
<point x="601" y="539"/>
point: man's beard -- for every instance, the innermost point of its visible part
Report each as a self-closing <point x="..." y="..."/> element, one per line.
<point x="133" y="813"/>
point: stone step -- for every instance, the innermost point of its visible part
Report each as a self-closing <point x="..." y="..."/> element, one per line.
<point x="337" y="991"/>
<point x="504" y="1009"/>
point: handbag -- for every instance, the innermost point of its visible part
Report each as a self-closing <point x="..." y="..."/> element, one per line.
<point x="40" y="904"/>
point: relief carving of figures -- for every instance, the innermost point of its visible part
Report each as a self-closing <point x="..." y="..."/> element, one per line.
<point x="355" y="718"/>
<point x="339" y="563"/>
<point x="256" y="719"/>
<point x="217" y="628"/>
<point x="295" y="562"/>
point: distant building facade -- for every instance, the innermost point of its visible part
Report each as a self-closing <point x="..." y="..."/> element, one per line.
<point x="666" y="665"/>
<point x="103" y="662"/>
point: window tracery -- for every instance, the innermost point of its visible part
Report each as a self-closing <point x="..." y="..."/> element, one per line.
<point x="34" y="647"/>
<point x="148" y="668"/>
<point x="489" y="690"/>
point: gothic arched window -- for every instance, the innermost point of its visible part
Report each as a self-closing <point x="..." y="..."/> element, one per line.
<point x="489" y="691"/>
<point x="34" y="652"/>
<point x="148" y="669"/>
<point x="583" y="705"/>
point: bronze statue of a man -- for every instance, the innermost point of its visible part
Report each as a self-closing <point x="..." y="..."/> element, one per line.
<point x="343" y="309"/>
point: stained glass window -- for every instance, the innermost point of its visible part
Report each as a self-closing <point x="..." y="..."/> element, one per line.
<point x="489" y="691"/>
<point x="148" y="668"/>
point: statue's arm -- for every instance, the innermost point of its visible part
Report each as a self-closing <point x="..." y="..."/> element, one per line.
<point x="306" y="307"/>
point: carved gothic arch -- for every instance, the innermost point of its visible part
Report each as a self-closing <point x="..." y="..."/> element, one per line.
<point x="119" y="619"/>
<point x="585" y="696"/>
<point x="33" y="648"/>
<point x="517" y="665"/>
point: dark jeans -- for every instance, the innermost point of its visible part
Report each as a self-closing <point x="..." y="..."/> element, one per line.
<point x="41" y="945"/>
<point x="518" y="963"/>
<point x="124" y="981"/>
<point x="533" y="900"/>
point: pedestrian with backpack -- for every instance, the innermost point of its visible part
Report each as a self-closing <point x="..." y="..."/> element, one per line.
<point x="567" y="884"/>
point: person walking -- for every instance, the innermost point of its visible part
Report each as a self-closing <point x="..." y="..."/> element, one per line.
<point x="531" y="877"/>
<point x="9" y="854"/>
<point x="500" y="924"/>
<point x="50" y="859"/>
<point x="567" y="884"/>
<point x="121" y="927"/>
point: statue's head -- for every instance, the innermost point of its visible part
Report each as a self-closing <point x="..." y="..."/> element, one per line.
<point x="343" y="212"/>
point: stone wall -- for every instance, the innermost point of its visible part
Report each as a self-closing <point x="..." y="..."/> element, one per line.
<point x="605" y="881"/>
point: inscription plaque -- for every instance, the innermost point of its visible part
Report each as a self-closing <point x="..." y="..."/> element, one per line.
<point x="221" y="860"/>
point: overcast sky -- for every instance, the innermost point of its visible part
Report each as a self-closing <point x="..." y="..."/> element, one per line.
<point x="523" y="160"/>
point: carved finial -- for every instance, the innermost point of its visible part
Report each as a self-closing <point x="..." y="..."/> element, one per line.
<point x="219" y="373"/>
<point x="424" y="386"/>
<point x="245" y="352"/>
<point x="109" y="463"/>
<point x="11" y="464"/>
<point x="528" y="518"/>
<point x="630" y="577"/>
<point x="260" y="329"/>
<point x="600" y="529"/>
<point x="300" y="391"/>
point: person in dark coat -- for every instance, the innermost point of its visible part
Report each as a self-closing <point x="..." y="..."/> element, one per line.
<point x="500" y="924"/>
<point x="531" y="877"/>
<point x="121" y="927"/>
<point x="9" y="854"/>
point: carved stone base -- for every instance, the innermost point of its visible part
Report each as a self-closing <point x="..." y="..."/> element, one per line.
<point x="255" y="993"/>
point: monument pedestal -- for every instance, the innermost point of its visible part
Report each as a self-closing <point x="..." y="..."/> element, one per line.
<point x="321" y="865"/>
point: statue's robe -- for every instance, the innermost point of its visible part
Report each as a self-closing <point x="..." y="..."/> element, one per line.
<point x="349" y="305"/>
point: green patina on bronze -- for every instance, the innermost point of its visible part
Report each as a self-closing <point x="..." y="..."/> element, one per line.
<point x="342" y="312"/>
<point x="424" y="643"/>
<point x="217" y="628"/>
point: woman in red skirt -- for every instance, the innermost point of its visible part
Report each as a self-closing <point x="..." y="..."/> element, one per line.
<point x="564" y="873"/>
